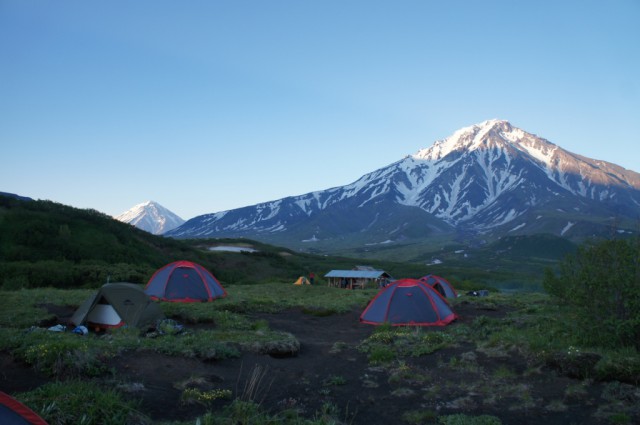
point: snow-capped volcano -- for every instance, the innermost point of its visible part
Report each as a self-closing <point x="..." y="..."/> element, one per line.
<point x="489" y="177"/>
<point x="151" y="217"/>
<point x="489" y="174"/>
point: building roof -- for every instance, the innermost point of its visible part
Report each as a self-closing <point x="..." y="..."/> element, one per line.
<point x="362" y="274"/>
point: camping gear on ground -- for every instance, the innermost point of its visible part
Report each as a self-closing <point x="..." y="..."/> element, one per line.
<point x="408" y="302"/>
<point x="441" y="285"/>
<point x="12" y="412"/>
<point x="302" y="281"/>
<point x="115" y="305"/>
<point x="57" y="328"/>
<point x="184" y="281"/>
<point x="166" y="327"/>
<point x="480" y="293"/>
<point x="80" y="330"/>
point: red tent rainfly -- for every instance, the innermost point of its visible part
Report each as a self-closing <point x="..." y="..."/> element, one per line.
<point x="12" y="412"/>
<point x="441" y="285"/>
<point x="408" y="302"/>
<point x="184" y="281"/>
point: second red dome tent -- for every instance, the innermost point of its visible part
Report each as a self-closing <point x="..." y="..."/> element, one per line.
<point x="184" y="281"/>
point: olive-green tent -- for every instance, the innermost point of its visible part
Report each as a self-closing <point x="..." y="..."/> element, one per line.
<point x="118" y="304"/>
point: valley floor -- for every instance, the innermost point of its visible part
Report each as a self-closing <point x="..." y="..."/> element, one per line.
<point x="329" y="370"/>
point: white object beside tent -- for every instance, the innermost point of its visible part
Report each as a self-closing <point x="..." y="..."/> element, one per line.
<point x="105" y="315"/>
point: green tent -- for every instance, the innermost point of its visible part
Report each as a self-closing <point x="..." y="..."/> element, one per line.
<point x="118" y="304"/>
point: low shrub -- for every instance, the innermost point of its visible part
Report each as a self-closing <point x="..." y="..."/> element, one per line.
<point x="462" y="419"/>
<point x="419" y="417"/>
<point x="82" y="402"/>
<point x="61" y="354"/>
<point x="622" y="365"/>
<point x="206" y="345"/>
<point x="388" y="342"/>
<point x="205" y="398"/>
<point x="601" y="284"/>
<point x="381" y="354"/>
<point x="334" y="380"/>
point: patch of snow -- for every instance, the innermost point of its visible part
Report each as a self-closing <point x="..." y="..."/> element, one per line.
<point x="232" y="248"/>
<point x="544" y="156"/>
<point x="504" y="218"/>
<point x="566" y="228"/>
<point x="519" y="226"/>
<point x="379" y="243"/>
<point x="270" y="210"/>
<point x="304" y="205"/>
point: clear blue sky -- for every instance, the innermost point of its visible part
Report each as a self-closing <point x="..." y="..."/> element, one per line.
<point x="204" y="106"/>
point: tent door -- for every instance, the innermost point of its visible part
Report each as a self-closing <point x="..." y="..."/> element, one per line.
<point x="104" y="315"/>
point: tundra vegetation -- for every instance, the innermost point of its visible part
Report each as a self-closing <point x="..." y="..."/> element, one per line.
<point x="585" y="325"/>
<point x="600" y="285"/>
<point x="47" y="244"/>
<point x="546" y="329"/>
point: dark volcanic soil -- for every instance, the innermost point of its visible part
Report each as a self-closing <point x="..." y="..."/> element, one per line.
<point x="329" y="369"/>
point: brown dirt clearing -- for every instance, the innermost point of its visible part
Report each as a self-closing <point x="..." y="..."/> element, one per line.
<point x="329" y="369"/>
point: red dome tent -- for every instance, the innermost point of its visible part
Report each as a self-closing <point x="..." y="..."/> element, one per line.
<point x="441" y="285"/>
<point x="12" y="412"/>
<point x="408" y="302"/>
<point x="184" y="281"/>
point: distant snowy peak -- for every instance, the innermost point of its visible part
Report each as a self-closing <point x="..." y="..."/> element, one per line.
<point x="151" y="217"/>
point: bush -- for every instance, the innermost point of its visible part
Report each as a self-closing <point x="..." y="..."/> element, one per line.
<point x="601" y="283"/>
<point x="622" y="365"/>
<point x="77" y="402"/>
<point x="462" y="419"/>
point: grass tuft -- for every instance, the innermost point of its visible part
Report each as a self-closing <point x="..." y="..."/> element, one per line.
<point x="82" y="402"/>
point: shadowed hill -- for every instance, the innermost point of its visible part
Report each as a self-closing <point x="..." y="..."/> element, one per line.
<point x="43" y="243"/>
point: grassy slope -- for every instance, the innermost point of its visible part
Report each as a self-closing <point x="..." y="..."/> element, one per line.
<point x="48" y="244"/>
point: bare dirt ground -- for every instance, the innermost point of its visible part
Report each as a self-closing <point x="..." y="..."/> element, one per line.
<point x="330" y="369"/>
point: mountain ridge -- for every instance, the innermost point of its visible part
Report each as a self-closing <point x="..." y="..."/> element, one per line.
<point x="484" y="180"/>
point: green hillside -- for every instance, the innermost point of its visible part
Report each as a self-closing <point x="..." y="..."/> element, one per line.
<point x="46" y="244"/>
<point x="510" y="262"/>
<point x="43" y="243"/>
